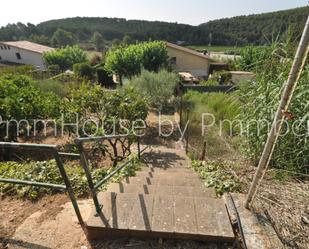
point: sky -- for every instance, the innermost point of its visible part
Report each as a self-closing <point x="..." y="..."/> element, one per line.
<point x="192" y="12"/>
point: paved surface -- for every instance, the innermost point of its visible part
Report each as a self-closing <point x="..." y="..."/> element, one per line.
<point x="164" y="200"/>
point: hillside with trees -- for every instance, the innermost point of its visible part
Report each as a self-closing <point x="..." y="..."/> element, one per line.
<point x="243" y="30"/>
<point x="255" y="29"/>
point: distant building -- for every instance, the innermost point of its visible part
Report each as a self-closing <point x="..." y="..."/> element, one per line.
<point x="23" y="52"/>
<point x="187" y="60"/>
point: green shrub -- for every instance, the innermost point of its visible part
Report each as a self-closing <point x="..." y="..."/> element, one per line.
<point x="54" y="69"/>
<point x="21" y="70"/>
<point x="158" y="88"/>
<point x="48" y="172"/>
<point x="83" y="70"/>
<point x="21" y="99"/>
<point x="53" y="86"/>
<point x="93" y="101"/>
<point x="65" y="58"/>
<point x="128" y="61"/>
<point x="218" y="175"/>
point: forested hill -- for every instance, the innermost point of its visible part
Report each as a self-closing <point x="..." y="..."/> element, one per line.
<point x="256" y="29"/>
<point x="242" y="30"/>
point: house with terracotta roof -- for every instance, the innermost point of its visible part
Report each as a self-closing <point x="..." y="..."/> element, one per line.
<point x="184" y="60"/>
<point x="23" y="52"/>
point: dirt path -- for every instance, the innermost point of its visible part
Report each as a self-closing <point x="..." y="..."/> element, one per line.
<point x="14" y="212"/>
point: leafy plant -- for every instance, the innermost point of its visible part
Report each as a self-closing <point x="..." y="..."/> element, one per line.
<point x="65" y="58"/>
<point x="20" y="99"/>
<point x="83" y="70"/>
<point x="218" y="175"/>
<point x="53" y="86"/>
<point x="158" y="88"/>
<point x="260" y="101"/>
<point x="48" y="172"/>
<point x="128" y="61"/>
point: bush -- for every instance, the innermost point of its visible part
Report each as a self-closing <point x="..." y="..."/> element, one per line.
<point x="105" y="106"/>
<point x="158" y="88"/>
<point x="83" y="70"/>
<point x="48" y="172"/>
<point x="65" y="58"/>
<point x="21" y="70"/>
<point x="55" y="69"/>
<point x="21" y="99"/>
<point x="129" y="61"/>
<point x="52" y="86"/>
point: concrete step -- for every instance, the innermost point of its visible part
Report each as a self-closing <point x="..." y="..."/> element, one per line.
<point x="197" y="191"/>
<point x="160" y="216"/>
<point x="166" y="173"/>
<point x="166" y="180"/>
<point x="169" y="170"/>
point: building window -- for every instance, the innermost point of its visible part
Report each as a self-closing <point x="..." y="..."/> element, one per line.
<point x="1" y="47"/>
<point x="5" y="47"/>
<point x="0" y="58"/>
<point x="9" y="47"/>
<point x="18" y="56"/>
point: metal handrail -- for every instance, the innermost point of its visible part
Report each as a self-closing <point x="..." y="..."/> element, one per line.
<point x="32" y="183"/>
<point x="94" y="187"/>
<point x="110" y="175"/>
<point x="54" y="150"/>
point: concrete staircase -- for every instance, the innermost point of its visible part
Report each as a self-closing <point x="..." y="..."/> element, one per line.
<point x="161" y="202"/>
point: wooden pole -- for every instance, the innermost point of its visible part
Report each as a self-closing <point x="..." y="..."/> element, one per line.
<point x="188" y="131"/>
<point x="295" y="73"/>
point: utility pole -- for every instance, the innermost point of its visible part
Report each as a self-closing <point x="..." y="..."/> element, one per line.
<point x="295" y="73"/>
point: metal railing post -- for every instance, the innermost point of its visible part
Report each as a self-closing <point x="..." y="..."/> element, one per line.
<point x="84" y="163"/>
<point x="68" y="187"/>
<point x="139" y="147"/>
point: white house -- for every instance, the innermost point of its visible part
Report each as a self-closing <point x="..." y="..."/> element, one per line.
<point x="23" y="52"/>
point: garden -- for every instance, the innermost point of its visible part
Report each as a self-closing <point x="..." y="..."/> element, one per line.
<point x="224" y="153"/>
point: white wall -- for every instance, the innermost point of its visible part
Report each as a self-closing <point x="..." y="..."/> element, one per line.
<point x="27" y="57"/>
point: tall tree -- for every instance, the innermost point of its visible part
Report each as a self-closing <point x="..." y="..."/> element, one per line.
<point x="98" y="41"/>
<point x="62" y="38"/>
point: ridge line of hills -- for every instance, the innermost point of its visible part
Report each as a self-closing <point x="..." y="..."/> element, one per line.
<point x="256" y="29"/>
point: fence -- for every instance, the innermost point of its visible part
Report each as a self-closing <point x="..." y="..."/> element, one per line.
<point x="207" y="89"/>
